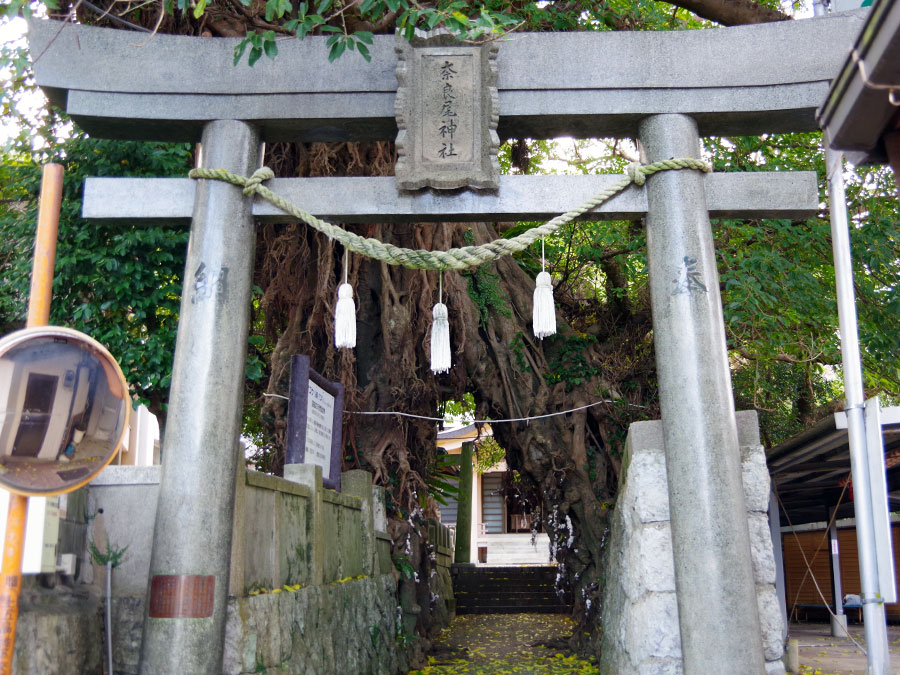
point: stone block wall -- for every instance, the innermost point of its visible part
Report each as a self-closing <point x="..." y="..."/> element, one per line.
<point x="341" y="627"/>
<point x="641" y="634"/>
<point x="58" y="631"/>
<point x="442" y="539"/>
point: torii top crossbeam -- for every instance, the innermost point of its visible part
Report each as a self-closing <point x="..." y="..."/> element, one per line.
<point x="745" y="80"/>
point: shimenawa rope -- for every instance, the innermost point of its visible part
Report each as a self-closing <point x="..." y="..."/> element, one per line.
<point x="455" y="258"/>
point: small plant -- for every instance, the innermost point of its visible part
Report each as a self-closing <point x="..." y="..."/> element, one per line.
<point x="111" y="555"/>
<point x="405" y="639"/>
<point x="404" y="566"/>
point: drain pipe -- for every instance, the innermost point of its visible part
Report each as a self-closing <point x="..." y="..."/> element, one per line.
<point x="109" y="658"/>
<point x="877" y="657"/>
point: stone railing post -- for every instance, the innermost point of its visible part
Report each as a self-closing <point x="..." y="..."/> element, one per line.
<point x="358" y="483"/>
<point x="310" y="475"/>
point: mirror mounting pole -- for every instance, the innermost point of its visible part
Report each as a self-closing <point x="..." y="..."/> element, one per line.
<point x="38" y="315"/>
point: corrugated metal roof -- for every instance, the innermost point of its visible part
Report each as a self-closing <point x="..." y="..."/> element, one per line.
<point x="811" y="469"/>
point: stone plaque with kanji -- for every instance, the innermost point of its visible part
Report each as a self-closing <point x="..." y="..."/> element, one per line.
<point x="447" y="113"/>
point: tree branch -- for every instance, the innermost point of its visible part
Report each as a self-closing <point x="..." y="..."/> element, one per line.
<point x="731" y="12"/>
<point x="784" y="358"/>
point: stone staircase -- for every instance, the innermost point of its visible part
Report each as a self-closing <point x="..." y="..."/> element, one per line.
<point x="507" y="590"/>
<point x="514" y="549"/>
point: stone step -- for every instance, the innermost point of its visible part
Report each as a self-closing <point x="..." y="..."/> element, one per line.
<point x="504" y="590"/>
<point x="508" y="599"/>
<point x="516" y="609"/>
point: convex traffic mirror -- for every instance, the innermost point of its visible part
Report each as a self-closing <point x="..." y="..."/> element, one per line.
<point x="64" y="410"/>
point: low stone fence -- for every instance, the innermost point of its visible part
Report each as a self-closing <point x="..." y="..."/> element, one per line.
<point x="312" y="586"/>
<point x="443" y="539"/>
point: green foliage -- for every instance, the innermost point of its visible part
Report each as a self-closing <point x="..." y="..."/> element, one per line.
<point x="567" y="362"/>
<point x="259" y="43"/>
<point x="462" y="410"/>
<point x="488" y="454"/>
<point x="485" y="290"/>
<point x="120" y="283"/>
<point x="112" y="554"/>
<point x="777" y="280"/>
<point x="518" y="349"/>
<point x="404" y="566"/>
<point x="441" y="479"/>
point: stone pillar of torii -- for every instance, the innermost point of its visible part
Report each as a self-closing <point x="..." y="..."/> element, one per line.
<point x="666" y="89"/>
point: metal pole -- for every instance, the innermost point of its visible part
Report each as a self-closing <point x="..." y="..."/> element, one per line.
<point x="837" y="588"/>
<point x="716" y="590"/>
<point x="877" y="656"/>
<point x="38" y="315"/>
<point x="184" y="627"/>
<point x="839" y="620"/>
<point x="109" y="649"/>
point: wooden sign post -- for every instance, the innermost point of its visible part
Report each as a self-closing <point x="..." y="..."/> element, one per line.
<point x="314" y="424"/>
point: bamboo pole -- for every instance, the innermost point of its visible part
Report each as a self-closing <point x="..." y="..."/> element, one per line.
<point x="38" y="315"/>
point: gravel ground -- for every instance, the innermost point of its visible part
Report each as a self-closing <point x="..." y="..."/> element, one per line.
<point x="505" y="644"/>
<point x="821" y="654"/>
<point x="517" y="644"/>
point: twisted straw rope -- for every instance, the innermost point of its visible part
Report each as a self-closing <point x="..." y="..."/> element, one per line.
<point x="455" y="258"/>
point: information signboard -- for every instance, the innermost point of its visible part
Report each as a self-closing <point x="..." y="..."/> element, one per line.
<point x="314" y="429"/>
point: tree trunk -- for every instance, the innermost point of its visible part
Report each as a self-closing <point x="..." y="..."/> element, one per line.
<point x="566" y="458"/>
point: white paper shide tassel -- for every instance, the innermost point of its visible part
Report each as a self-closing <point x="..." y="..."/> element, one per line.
<point x="440" y="340"/>
<point x="544" y="312"/>
<point x="345" y="318"/>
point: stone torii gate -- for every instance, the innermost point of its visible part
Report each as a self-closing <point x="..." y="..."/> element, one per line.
<point x="667" y="89"/>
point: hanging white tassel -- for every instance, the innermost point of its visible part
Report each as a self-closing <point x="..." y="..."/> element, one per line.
<point x="345" y="314"/>
<point x="440" y="340"/>
<point x="544" y="314"/>
<point x="440" y="334"/>
<point x="544" y="310"/>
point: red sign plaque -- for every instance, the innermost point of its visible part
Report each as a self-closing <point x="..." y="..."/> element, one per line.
<point x="181" y="596"/>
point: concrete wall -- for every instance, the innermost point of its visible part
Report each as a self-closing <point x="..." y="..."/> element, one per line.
<point x="641" y="630"/>
<point x="58" y="631"/>
<point x="276" y="539"/>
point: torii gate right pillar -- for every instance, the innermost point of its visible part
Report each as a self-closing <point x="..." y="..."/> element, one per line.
<point x="717" y="605"/>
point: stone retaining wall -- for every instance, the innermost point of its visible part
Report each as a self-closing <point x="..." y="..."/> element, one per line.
<point x="641" y="633"/>
<point x="341" y="627"/>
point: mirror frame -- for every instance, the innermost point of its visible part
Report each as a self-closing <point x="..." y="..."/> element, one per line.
<point x="19" y="337"/>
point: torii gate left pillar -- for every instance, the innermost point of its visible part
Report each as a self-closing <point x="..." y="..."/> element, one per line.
<point x="185" y="613"/>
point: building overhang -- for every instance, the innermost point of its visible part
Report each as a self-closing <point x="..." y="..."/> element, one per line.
<point x="860" y="110"/>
